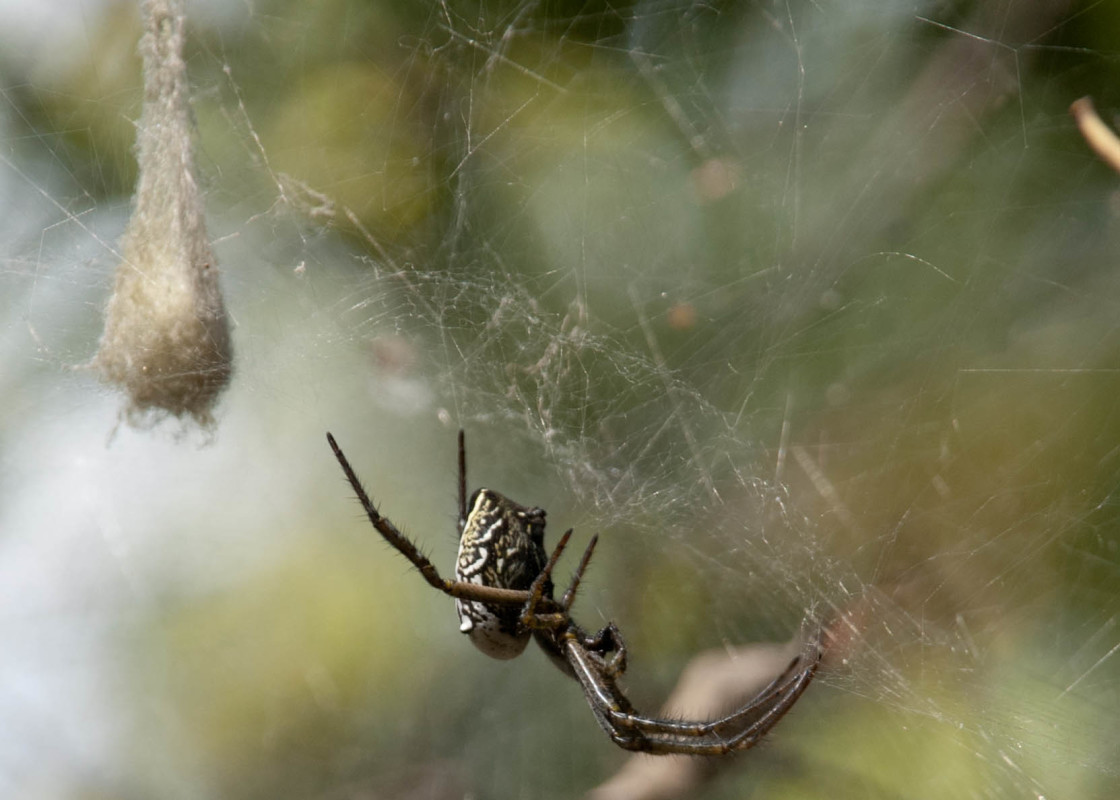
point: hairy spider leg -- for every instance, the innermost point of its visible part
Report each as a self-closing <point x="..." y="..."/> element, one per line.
<point x="529" y="616"/>
<point x="777" y="696"/>
<point x="750" y="736"/>
<point x="759" y="715"/>
<point x="570" y="595"/>
<point x="387" y="528"/>
<point x="457" y="589"/>
<point x="605" y="700"/>
<point x="632" y="731"/>
<point x="608" y="640"/>
<point x="535" y="591"/>
<point x="462" y="482"/>
<point x="794" y="678"/>
<point x="758" y="707"/>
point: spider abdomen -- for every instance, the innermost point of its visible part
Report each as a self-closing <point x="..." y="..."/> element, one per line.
<point x="501" y="546"/>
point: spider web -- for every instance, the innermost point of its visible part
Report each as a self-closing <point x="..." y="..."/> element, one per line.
<point x="808" y="308"/>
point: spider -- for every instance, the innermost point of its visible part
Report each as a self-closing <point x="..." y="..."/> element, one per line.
<point x="504" y="595"/>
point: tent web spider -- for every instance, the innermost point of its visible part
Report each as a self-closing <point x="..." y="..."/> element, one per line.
<point x="504" y="594"/>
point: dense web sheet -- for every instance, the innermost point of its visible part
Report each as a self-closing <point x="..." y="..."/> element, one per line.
<point x="808" y="308"/>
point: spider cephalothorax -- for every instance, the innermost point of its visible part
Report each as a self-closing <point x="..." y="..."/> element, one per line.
<point x="504" y="594"/>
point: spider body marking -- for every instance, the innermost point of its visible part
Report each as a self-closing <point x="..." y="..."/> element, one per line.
<point x="501" y="545"/>
<point x="504" y="596"/>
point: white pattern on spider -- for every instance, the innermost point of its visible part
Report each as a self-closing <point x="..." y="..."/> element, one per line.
<point x="496" y="529"/>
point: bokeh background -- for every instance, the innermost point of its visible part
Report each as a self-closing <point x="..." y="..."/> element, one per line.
<point x="812" y="309"/>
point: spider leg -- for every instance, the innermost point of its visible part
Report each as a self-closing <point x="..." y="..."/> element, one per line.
<point x="608" y="640"/>
<point x="749" y="723"/>
<point x="762" y="720"/>
<point x="605" y="700"/>
<point x="529" y="616"/>
<point x="386" y="528"/>
<point x="570" y="594"/>
<point x="737" y="731"/>
<point x="778" y="693"/>
<point x="458" y="589"/>
<point x="758" y="708"/>
<point x="462" y="481"/>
